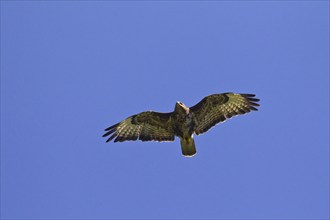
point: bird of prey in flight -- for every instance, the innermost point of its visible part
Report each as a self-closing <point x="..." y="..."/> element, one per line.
<point x="183" y="122"/>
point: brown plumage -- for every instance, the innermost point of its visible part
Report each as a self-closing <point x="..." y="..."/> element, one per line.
<point x="183" y="122"/>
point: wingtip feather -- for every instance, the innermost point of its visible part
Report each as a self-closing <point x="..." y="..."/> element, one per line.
<point x="247" y="95"/>
<point x="253" y="99"/>
<point x="253" y="108"/>
<point x="111" y="127"/>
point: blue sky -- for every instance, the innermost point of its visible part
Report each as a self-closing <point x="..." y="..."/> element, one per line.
<point x="71" y="69"/>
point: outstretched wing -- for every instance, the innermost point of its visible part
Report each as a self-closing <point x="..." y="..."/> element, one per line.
<point x="146" y="126"/>
<point x="217" y="108"/>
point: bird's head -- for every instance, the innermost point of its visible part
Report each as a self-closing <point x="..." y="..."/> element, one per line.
<point x="180" y="107"/>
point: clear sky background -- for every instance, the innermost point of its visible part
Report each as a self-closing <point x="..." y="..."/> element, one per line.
<point x="71" y="69"/>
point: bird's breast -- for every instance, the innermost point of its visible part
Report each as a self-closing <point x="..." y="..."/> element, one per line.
<point x="189" y="124"/>
<point x="184" y="125"/>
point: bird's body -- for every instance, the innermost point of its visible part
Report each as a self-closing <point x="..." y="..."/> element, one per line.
<point x="184" y="128"/>
<point x="183" y="122"/>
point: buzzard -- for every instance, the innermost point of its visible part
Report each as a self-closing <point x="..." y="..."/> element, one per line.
<point x="183" y="122"/>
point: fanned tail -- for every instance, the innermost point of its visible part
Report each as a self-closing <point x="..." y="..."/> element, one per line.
<point x="188" y="147"/>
